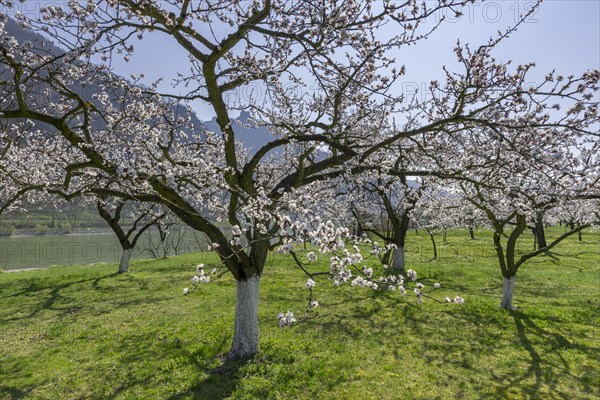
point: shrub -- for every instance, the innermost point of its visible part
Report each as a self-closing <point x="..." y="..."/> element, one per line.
<point x="41" y="229"/>
<point x="7" y="230"/>
<point x="64" y="227"/>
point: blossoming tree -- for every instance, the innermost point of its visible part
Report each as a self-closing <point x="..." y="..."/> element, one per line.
<point x="144" y="217"/>
<point x="575" y="213"/>
<point x="383" y="209"/>
<point x="513" y="177"/>
<point x="438" y="211"/>
<point x="328" y="74"/>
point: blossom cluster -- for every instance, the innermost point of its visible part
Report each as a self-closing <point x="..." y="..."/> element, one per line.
<point x="349" y="266"/>
<point x="286" y="319"/>
<point x="201" y="277"/>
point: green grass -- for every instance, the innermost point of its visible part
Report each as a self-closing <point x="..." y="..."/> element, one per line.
<point x="83" y="332"/>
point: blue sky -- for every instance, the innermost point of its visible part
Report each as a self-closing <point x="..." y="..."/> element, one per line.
<point x="563" y="35"/>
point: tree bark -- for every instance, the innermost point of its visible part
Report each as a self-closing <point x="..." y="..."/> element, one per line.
<point x="434" y="246"/>
<point x="399" y="260"/>
<point x="125" y="259"/>
<point x="579" y="234"/>
<point x="245" y="334"/>
<point x="508" y="289"/>
<point x="471" y="232"/>
<point x="400" y="231"/>
<point x="539" y="232"/>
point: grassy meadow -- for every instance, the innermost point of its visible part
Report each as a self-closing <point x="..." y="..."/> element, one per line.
<point x="83" y="332"/>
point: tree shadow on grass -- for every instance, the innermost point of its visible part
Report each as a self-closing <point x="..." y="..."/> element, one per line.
<point x="545" y="368"/>
<point x="220" y="383"/>
<point x="10" y="392"/>
<point x="54" y="296"/>
<point x="168" y="352"/>
<point x="552" y="258"/>
<point x="535" y="367"/>
<point x="55" y="299"/>
<point x="541" y="357"/>
<point x="556" y="255"/>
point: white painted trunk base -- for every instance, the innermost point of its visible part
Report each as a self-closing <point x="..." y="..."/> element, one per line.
<point x="508" y="289"/>
<point x="245" y="332"/>
<point x="399" y="259"/>
<point x="125" y="258"/>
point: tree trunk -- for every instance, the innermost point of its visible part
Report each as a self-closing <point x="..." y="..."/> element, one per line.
<point x="539" y="232"/>
<point x="245" y="334"/>
<point x="434" y="246"/>
<point x="400" y="230"/>
<point x="579" y="234"/>
<point x="125" y="259"/>
<point x="471" y="232"/>
<point x="445" y="237"/>
<point x="508" y="289"/>
<point x="386" y="257"/>
<point x="399" y="260"/>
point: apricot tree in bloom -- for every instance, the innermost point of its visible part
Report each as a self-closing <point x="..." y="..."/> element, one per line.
<point x="124" y="142"/>
<point x="513" y="177"/>
<point x="574" y="213"/>
<point x="329" y="77"/>
<point x="27" y="164"/>
<point x="144" y="216"/>
<point x="384" y="211"/>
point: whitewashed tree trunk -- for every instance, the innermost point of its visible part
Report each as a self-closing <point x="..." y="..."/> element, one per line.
<point x="508" y="289"/>
<point x="245" y="335"/>
<point x="399" y="260"/>
<point x="125" y="259"/>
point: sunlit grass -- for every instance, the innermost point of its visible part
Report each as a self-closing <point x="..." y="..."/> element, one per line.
<point x="84" y="332"/>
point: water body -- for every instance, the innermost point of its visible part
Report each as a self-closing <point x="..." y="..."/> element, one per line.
<point x="18" y="252"/>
